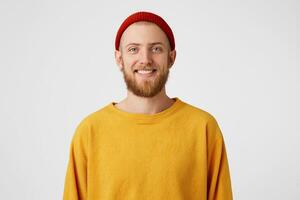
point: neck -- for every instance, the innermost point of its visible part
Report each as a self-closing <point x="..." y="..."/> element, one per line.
<point x="145" y="105"/>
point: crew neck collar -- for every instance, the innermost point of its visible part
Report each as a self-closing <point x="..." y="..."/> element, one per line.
<point x="146" y="118"/>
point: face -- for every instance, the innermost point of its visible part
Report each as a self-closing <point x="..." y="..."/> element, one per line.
<point x="144" y="57"/>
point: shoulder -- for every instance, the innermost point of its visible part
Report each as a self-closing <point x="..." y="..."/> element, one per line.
<point x="92" y="120"/>
<point x="203" y="119"/>
<point x="96" y="116"/>
<point x="199" y="113"/>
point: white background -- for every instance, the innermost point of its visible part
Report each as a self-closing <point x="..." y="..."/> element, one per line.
<point x="238" y="60"/>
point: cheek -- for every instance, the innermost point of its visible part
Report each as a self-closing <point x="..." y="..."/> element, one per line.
<point x="128" y="67"/>
<point x="130" y="62"/>
<point x="162" y="59"/>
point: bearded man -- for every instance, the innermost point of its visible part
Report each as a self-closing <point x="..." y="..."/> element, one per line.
<point x="147" y="146"/>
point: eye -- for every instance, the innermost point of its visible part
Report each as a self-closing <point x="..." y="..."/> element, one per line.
<point x="133" y="49"/>
<point x="157" y="49"/>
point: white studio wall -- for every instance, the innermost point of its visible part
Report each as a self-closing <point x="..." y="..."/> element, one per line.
<point x="238" y="60"/>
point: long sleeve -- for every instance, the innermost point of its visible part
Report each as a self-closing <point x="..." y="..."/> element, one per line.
<point x="76" y="176"/>
<point x="219" y="182"/>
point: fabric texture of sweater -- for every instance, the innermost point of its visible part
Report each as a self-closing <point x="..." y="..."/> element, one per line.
<point x="176" y="154"/>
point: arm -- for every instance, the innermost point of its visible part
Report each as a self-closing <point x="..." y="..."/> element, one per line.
<point x="76" y="177"/>
<point x="219" y="183"/>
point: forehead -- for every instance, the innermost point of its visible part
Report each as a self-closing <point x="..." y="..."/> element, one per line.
<point x="143" y="32"/>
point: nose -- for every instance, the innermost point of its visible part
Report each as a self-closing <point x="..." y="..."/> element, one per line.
<point x="145" y="57"/>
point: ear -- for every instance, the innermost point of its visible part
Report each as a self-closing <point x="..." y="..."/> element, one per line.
<point x="172" y="57"/>
<point x="119" y="60"/>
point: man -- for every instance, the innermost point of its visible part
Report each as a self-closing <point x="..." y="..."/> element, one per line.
<point x="148" y="146"/>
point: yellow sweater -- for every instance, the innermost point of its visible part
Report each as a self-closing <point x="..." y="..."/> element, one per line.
<point x="176" y="154"/>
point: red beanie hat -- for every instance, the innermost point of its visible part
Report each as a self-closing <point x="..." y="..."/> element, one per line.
<point x="145" y="16"/>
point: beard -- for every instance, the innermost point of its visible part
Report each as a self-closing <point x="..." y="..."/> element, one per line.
<point x="146" y="87"/>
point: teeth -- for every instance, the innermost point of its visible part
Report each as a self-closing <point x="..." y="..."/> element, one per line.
<point x="145" y="71"/>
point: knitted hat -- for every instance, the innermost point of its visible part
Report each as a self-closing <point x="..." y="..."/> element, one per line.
<point x="145" y="16"/>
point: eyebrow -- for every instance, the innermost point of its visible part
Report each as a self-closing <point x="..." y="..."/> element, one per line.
<point x="138" y="44"/>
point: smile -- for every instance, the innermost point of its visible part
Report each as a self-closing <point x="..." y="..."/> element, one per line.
<point x="145" y="73"/>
